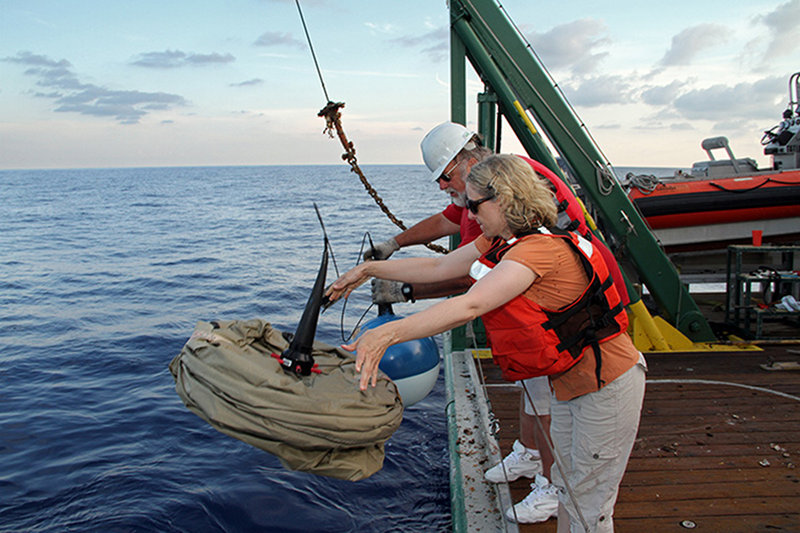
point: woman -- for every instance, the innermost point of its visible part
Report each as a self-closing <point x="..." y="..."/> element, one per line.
<point x="550" y="309"/>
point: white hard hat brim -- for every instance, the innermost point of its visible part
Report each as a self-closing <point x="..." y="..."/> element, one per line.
<point x="435" y="175"/>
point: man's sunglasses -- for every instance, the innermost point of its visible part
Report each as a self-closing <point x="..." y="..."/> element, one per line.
<point x="473" y="205"/>
<point x="446" y="177"/>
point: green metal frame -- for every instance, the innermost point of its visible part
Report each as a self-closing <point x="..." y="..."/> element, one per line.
<point x="481" y="33"/>
<point x="457" y="509"/>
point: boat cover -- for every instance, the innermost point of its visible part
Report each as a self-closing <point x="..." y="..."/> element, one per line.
<point x="321" y="423"/>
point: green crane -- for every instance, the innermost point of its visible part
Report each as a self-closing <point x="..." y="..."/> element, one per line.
<point x="519" y="88"/>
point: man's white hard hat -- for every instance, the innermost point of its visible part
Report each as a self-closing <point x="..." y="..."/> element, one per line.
<point x="442" y="144"/>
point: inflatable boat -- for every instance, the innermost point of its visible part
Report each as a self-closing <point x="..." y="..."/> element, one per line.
<point x="724" y="201"/>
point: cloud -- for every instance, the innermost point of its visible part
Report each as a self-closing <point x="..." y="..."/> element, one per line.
<point x="52" y="73"/>
<point x="600" y="90"/>
<point x="435" y="43"/>
<point x="743" y="101"/>
<point x="36" y="60"/>
<point x="127" y="107"/>
<point x="70" y="95"/>
<point x="274" y="38"/>
<point x="691" y="41"/>
<point x="783" y="29"/>
<point x="209" y="59"/>
<point x="386" y="28"/>
<point x="662" y="95"/>
<point x="569" y="46"/>
<point x="248" y="83"/>
<point x="177" y="59"/>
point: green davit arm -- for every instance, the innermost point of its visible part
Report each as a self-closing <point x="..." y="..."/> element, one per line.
<point x="482" y="32"/>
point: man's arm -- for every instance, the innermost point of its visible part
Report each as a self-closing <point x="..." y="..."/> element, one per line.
<point x="423" y="232"/>
<point x="427" y="230"/>
<point x="421" y="291"/>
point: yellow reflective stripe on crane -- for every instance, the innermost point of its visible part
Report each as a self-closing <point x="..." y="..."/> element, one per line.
<point x="524" y="116"/>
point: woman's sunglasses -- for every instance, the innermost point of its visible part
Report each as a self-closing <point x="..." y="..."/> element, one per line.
<point x="473" y="205"/>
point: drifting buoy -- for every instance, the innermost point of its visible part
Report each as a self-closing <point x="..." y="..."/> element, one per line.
<point x="412" y="365"/>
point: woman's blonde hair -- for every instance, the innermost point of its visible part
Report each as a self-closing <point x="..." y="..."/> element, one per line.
<point x="525" y="196"/>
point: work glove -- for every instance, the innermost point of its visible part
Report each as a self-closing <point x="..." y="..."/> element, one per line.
<point x="382" y="250"/>
<point x="388" y="292"/>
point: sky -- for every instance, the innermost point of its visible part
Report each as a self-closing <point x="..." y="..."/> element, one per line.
<point x="183" y="83"/>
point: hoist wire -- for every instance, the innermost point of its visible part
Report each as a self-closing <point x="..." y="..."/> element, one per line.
<point x="311" y="47"/>
<point x="332" y="115"/>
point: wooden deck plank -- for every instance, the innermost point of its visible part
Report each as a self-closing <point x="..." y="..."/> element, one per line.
<point x="721" y="456"/>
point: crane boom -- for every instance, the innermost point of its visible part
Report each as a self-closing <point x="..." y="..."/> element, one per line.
<point x="527" y="97"/>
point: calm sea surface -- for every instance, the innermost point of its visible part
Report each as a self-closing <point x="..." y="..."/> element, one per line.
<point x="103" y="274"/>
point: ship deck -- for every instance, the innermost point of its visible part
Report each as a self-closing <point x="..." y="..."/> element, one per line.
<point x="717" y="449"/>
<point x="718" y="457"/>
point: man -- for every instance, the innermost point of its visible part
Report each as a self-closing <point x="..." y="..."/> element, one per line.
<point x="449" y="151"/>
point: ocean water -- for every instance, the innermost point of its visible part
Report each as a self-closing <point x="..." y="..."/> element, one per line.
<point x="103" y="274"/>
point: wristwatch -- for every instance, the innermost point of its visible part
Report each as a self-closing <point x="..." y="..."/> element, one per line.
<point x="407" y="290"/>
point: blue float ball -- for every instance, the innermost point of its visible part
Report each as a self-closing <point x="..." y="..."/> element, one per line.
<point x="412" y="365"/>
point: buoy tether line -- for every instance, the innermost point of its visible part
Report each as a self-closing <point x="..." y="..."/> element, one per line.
<point x="333" y="127"/>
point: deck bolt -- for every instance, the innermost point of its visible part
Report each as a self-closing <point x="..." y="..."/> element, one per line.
<point x="688" y="524"/>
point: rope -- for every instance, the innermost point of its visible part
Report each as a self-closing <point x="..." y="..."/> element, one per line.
<point x="333" y="127"/>
<point x="557" y="462"/>
<point x="727" y="383"/>
<point x="762" y="184"/>
<point x="333" y="122"/>
<point x="646" y="183"/>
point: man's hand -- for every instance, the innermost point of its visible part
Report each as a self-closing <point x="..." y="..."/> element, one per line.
<point x="382" y="251"/>
<point x="387" y="292"/>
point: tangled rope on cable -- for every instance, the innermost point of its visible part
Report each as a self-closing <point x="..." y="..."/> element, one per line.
<point x="333" y="127"/>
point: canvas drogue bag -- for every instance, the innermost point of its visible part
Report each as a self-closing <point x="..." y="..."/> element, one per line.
<point x="321" y="423"/>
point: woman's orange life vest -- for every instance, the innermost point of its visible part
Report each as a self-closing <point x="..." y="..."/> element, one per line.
<point x="529" y="340"/>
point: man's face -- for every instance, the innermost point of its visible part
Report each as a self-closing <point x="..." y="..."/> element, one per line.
<point x="452" y="181"/>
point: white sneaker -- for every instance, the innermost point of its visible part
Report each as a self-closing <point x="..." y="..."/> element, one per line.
<point x="540" y="505"/>
<point x="789" y="303"/>
<point x="520" y="462"/>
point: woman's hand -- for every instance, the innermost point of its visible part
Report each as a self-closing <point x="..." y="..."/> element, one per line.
<point x="348" y="282"/>
<point x="370" y="347"/>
